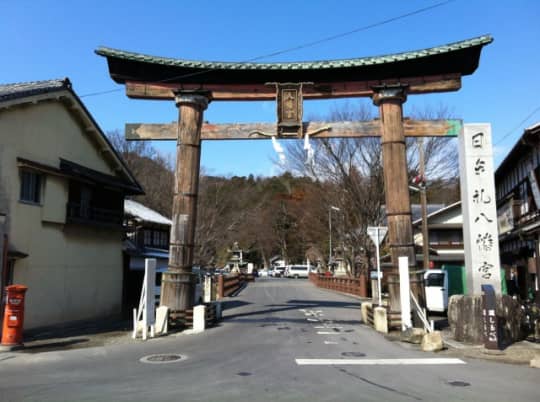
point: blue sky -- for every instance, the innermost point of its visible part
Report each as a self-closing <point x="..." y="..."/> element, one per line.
<point x="53" y="39"/>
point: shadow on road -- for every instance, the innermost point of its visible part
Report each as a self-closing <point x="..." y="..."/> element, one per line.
<point x="230" y="304"/>
<point x="266" y="315"/>
<point x="52" y="346"/>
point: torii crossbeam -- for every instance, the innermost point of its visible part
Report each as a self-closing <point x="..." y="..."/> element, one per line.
<point x="193" y="84"/>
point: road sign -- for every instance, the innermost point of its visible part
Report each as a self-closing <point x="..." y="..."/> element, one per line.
<point x="377" y="233"/>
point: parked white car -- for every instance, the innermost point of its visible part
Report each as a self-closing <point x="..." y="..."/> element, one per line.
<point x="436" y="286"/>
<point x="278" y="272"/>
<point x="297" y="271"/>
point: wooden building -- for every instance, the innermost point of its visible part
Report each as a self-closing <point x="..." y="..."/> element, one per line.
<point x="62" y="188"/>
<point x="446" y="249"/>
<point x="147" y="236"/>
<point x="518" y="210"/>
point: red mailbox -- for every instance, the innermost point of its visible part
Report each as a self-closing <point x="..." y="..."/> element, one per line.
<point x="12" y="329"/>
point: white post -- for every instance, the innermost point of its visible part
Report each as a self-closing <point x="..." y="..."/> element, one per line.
<point x="329" y="237"/>
<point x="199" y="318"/>
<point x="135" y="324"/>
<point x="379" y="290"/>
<point x="207" y="289"/>
<point x="149" y="315"/>
<point x="404" y="290"/>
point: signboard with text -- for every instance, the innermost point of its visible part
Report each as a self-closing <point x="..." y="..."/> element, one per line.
<point x="480" y="233"/>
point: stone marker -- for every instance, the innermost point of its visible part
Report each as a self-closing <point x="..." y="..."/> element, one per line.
<point x="535" y="362"/>
<point x="162" y="320"/>
<point x="380" y="319"/>
<point x="199" y="318"/>
<point x="413" y="335"/>
<point x="432" y="342"/>
<point x="364" y="309"/>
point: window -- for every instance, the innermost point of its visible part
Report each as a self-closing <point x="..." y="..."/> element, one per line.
<point x="30" y="187"/>
<point x="435" y="279"/>
<point x="147" y="237"/>
<point x="163" y="239"/>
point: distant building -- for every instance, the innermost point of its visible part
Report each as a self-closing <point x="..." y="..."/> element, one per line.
<point x="446" y="249"/>
<point x="147" y="236"/>
<point x="518" y="210"/>
<point x="62" y="188"/>
<point x="445" y="236"/>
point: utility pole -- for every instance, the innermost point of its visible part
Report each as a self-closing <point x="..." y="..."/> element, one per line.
<point x="423" y="202"/>
<point x="332" y="208"/>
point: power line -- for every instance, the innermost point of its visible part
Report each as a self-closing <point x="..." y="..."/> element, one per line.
<point x="518" y="125"/>
<point x="305" y="45"/>
<point x="363" y="28"/>
<point x="100" y="93"/>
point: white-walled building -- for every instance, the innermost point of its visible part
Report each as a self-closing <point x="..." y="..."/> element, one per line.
<point x="62" y="188"/>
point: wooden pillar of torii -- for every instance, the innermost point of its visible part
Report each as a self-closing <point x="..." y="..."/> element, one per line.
<point x="396" y="187"/>
<point x="386" y="79"/>
<point x="178" y="282"/>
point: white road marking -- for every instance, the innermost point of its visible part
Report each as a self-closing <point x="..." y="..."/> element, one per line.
<point x="328" y="333"/>
<point x="327" y="327"/>
<point x="375" y="362"/>
<point x="313" y="320"/>
<point x="330" y="343"/>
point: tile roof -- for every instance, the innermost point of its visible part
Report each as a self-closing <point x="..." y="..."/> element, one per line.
<point x="17" y="92"/>
<point x="144" y="213"/>
<point x="23" y="89"/>
<point x="310" y="65"/>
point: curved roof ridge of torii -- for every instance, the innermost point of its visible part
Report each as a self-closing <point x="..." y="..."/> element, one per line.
<point x="435" y="69"/>
<point x="387" y="79"/>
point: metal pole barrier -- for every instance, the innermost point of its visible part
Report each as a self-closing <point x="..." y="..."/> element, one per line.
<point x="378" y="269"/>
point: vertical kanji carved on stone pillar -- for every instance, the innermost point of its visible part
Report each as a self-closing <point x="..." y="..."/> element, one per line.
<point x="389" y="99"/>
<point x="177" y="283"/>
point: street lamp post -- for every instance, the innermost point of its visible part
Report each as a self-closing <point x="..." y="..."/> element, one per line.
<point x="330" y="231"/>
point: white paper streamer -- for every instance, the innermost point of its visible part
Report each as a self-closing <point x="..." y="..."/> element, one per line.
<point x="279" y="150"/>
<point x="309" y="150"/>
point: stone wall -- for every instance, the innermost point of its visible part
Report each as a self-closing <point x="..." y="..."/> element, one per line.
<point x="466" y="323"/>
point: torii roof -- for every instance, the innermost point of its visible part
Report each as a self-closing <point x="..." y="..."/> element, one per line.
<point x="459" y="58"/>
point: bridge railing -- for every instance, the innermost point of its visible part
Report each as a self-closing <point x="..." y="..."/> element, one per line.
<point x="354" y="286"/>
<point x="230" y="284"/>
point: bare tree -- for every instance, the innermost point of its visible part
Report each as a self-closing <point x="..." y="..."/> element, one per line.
<point x="153" y="171"/>
<point x="353" y="167"/>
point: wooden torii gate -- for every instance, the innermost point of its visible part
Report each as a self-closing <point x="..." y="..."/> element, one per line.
<point x="388" y="80"/>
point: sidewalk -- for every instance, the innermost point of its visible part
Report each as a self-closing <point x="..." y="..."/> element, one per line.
<point x="76" y="335"/>
<point x="517" y="353"/>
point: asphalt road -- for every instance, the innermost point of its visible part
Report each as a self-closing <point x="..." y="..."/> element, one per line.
<point x="268" y="347"/>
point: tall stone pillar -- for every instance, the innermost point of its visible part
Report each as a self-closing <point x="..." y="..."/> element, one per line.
<point x="396" y="184"/>
<point x="178" y="282"/>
